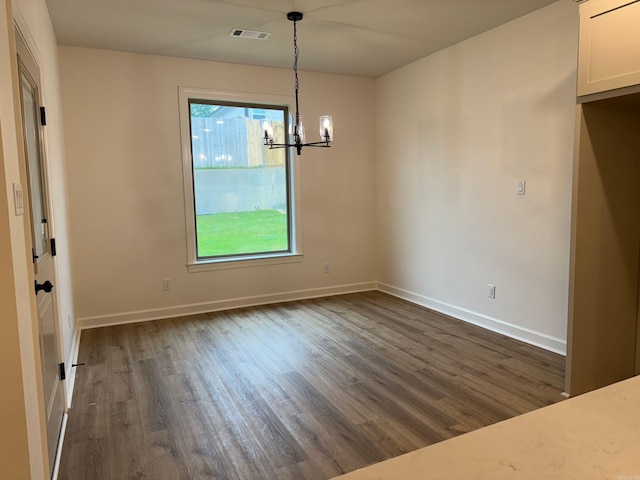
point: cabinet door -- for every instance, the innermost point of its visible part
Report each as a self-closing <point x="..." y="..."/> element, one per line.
<point x="609" y="45"/>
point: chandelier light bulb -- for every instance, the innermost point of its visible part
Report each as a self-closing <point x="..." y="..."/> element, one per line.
<point x="268" y="131"/>
<point x="296" y="128"/>
<point x="326" y="128"/>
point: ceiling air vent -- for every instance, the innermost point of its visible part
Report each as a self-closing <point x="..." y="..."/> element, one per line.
<point x="244" y="33"/>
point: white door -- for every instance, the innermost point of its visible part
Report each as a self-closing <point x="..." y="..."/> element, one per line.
<point x="43" y="260"/>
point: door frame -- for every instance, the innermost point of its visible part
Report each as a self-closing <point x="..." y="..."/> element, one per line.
<point x="636" y="370"/>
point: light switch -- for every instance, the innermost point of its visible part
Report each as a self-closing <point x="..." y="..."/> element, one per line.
<point x="18" y="199"/>
<point x="522" y="186"/>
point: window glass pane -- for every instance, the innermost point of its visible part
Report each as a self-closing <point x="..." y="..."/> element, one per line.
<point x="32" y="144"/>
<point x="240" y="186"/>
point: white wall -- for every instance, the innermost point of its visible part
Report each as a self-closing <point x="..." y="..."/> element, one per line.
<point x="126" y="187"/>
<point x="456" y="131"/>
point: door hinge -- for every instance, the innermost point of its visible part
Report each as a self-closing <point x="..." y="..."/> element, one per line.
<point x="34" y="257"/>
<point x="43" y="116"/>
<point x="63" y="375"/>
<point x="53" y="246"/>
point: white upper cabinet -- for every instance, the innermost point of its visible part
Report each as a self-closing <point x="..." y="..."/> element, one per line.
<point x="609" y="45"/>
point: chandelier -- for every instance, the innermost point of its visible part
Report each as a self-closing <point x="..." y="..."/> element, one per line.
<point x="296" y="129"/>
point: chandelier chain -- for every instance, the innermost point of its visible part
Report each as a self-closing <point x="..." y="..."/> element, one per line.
<point x="296" y="52"/>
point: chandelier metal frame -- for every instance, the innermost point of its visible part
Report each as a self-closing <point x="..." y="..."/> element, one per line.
<point x="296" y="129"/>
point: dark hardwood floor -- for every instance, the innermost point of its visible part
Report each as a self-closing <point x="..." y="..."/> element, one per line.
<point x="300" y="390"/>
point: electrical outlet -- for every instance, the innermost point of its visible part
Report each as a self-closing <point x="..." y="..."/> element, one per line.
<point x="326" y="268"/>
<point x="166" y="284"/>
<point x="491" y="293"/>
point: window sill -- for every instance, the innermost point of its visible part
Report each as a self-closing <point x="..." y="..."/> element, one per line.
<point x="244" y="262"/>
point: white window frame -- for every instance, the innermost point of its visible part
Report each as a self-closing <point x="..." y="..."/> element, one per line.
<point x="205" y="264"/>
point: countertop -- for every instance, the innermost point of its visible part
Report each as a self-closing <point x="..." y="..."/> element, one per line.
<point x="592" y="436"/>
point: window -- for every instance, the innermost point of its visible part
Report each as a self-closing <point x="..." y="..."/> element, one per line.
<point x="238" y="193"/>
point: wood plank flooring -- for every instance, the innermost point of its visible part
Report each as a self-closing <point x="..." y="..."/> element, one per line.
<point x="295" y="391"/>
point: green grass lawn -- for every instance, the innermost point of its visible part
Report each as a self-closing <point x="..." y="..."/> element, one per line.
<point x="241" y="232"/>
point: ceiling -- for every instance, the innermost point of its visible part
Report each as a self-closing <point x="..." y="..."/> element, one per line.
<point x="354" y="37"/>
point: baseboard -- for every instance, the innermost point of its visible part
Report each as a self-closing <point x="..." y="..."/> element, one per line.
<point x="70" y="382"/>
<point x="56" y="463"/>
<point x="69" y="386"/>
<point x="532" y="337"/>
<point x="193" y="309"/>
<point x="70" y="369"/>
